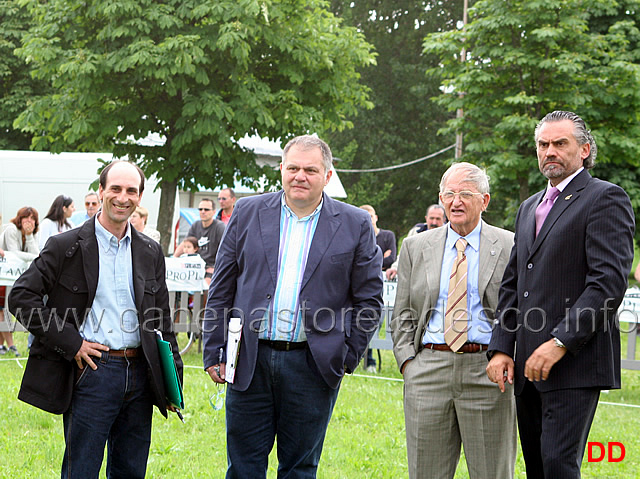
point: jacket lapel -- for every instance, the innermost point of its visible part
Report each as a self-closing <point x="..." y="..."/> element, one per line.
<point x="269" y="219"/>
<point x="489" y="253"/>
<point x="328" y="224"/>
<point x="432" y="255"/>
<point x="570" y="195"/>
<point x="529" y="220"/>
<point x="88" y="245"/>
<point x="141" y="259"/>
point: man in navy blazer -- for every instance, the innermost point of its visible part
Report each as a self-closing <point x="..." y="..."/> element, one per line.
<point x="558" y="300"/>
<point x="303" y="273"/>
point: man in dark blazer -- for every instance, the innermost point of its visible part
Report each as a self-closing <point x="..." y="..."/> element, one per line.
<point x="303" y="273"/>
<point x="93" y="299"/>
<point x="558" y="299"/>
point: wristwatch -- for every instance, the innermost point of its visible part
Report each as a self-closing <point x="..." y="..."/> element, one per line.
<point x="558" y="343"/>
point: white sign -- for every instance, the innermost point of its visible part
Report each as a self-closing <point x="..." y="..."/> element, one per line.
<point x="11" y="266"/>
<point x="185" y="273"/>
<point x="629" y="310"/>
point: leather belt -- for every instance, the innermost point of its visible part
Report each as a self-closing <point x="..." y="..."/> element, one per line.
<point x="466" y="347"/>
<point x="283" y="345"/>
<point x="126" y="353"/>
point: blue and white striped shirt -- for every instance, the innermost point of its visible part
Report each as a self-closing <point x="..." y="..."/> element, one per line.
<point x="283" y="320"/>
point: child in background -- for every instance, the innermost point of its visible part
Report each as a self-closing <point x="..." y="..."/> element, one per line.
<point x="190" y="246"/>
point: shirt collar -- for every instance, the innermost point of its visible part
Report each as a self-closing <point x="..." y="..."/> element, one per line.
<point x="473" y="238"/>
<point x="563" y="184"/>
<point x="105" y="238"/>
<point x="288" y="211"/>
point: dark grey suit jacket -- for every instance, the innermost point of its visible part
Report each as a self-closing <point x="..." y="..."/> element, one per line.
<point x="67" y="271"/>
<point x="568" y="283"/>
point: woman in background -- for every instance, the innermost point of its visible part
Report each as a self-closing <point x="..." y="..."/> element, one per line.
<point x="20" y="237"/>
<point x="57" y="219"/>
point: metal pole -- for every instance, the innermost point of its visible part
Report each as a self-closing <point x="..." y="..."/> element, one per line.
<point x="463" y="54"/>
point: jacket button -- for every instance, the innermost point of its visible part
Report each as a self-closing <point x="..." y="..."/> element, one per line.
<point x="530" y="265"/>
<point x="526" y="294"/>
<point x="75" y="288"/>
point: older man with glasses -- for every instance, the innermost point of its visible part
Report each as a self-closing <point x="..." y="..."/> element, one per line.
<point x="209" y="232"/>
<point x="448" y="283"/>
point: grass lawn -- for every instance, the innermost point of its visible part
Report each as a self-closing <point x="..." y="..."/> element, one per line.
<point x="365" y="438"/>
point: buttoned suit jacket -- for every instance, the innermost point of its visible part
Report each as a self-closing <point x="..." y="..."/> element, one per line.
<point x="568" y="283"/>
<point x="340" y="295"/>
<point x="419" y="271"/>
<point x="67" y="273"/>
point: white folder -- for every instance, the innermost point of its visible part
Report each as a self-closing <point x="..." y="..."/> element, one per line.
<point x="233" y="348"/>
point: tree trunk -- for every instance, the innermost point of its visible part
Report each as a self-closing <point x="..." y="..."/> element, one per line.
<point x="165" y="213"/>
<point x="523" y="181"/>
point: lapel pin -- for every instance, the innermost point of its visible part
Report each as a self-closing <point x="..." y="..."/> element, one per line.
<point x="492" y="253"/>
<point x="568" y="197"/>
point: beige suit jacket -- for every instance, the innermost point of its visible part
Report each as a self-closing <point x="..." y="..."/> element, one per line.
<point x="419" y="269"/>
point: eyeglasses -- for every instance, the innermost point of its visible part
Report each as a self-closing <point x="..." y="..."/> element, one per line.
<point x="448" y="196"/>
<point x="91" y="203"/>
<point x="217" y="399"/>
<point x="204" y="209"/>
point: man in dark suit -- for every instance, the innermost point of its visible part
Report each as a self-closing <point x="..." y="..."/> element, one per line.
<point x="303" y="273"/>
<point x="566" y="277"/>
<point x="93" y="299"/>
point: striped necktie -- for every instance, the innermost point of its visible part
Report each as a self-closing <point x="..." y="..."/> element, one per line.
<point x="455" y="319"/>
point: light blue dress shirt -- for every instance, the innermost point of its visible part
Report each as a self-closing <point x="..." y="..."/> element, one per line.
<point x="283" y="320"/>
<point x="113" y="320"/>
<point x="479" y="327"/>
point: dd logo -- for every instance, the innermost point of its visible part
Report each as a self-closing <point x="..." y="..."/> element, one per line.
<point x="598" y="446"/>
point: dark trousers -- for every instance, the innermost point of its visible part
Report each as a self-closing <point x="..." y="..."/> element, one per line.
<point x="111" y="405"/>
<point x="554" y="427"/>
<point x="286" y="398"/>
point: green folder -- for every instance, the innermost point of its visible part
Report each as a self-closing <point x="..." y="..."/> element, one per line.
<point x="172" y="386"/>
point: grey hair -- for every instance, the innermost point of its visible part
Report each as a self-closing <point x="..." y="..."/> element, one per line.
<point x="580" y="131"/>
<point x="475" y="175"/>
<point x="309" y="142"/>
<point x="437" y="207"/>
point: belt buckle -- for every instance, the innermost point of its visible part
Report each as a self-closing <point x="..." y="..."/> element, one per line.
<point x="459" y="351"/>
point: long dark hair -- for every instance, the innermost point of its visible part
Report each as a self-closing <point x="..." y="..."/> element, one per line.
<point x="26" y="212"/>
<point x="56" y="212"/>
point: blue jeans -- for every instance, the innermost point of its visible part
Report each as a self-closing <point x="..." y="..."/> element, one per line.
<point x="287" y="398"/>
<point x="113" y="405"/>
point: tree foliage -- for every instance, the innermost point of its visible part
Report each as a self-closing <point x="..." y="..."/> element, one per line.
<point x="201" y="74"/>
<point x="17" y="88"/>
<point x="403" y="124"/>
<point x="527" y="58"/>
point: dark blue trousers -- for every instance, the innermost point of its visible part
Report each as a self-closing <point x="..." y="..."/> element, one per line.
<point x="111" y="405"/>
<point x="286" y="399"/>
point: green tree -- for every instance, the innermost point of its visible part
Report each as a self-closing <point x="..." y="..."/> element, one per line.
<point x="17" y="87"/>
<point x="201" y="74"/>
<point x="403" y="124"/>
<point x="525" y="59"/>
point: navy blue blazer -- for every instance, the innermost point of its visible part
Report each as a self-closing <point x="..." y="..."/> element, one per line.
<point x="340" y="295"/>
<point x="568" y="283"/>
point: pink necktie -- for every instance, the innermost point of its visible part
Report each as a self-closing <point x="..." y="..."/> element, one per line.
<point x="543" y="208"/>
